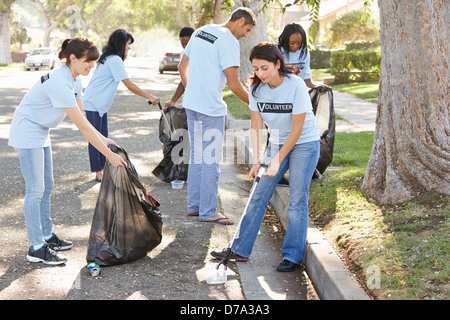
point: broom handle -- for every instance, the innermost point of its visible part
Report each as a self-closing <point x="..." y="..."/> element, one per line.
<point x="261" y="172"/>
<point x="165" y="118"/>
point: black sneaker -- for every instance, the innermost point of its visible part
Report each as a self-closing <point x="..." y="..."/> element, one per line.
<point x="287" y="266"/>
<point x="283" y="182"/>
<point x="58" y="244"/>
<point x="45" y="255"/>
<point x="232" y="256"/>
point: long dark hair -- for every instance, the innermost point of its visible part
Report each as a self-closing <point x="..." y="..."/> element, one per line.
<point x="290" y="29"/>
<point x="116" y="45"/>
<point x="269" y="52"/>
<point x="79" y="47"/>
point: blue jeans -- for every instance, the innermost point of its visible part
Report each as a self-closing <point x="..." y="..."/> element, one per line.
<point x="37" y="170"/>
<point x="96" y="158"/>
<point x="301" y="162"/>
<point x="206" y="138"/>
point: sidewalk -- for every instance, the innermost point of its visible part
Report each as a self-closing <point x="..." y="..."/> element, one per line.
<point x="358" y="114"/>
<point x="327" y="272"/>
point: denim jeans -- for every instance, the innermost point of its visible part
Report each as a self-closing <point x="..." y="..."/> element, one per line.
<point x="301" y="162"/>
<point x="96" y="158"/>
<point x="37" y="170"/>
<point x="206" y="138"/>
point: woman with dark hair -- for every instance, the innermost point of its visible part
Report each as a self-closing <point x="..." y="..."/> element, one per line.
<point x="46" y="104"/>
<point x="118" y="43"/>
<point x="281" y="100"/>
<point x="293" y="46"/>
<point x="102" y="88"/>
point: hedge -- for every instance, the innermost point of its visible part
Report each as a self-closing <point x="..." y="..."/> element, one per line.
<point x="320" y="59"/>
<point x="346" y="65"/>
<point x="362" y="45"/>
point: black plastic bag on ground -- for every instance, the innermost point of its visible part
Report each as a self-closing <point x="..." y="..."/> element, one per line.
<point x="127" y="222"/>
<point x="176" y="147"/>
<point x="323" y="108"/>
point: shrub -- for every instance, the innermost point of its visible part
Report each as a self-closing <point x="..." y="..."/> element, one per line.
<point x="368" y="62"/>
<point x="341" y="65"/>
<point x="349" y="65"/>
<point x="362" y="45"/>
<point x="320" y="59"/>
<point x="350" y="27"/>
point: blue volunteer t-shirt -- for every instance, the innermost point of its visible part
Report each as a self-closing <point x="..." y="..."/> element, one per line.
<point x="42" y="108"/>
<point x="277" y="106"/>
<point x="211" y="50"/>
<point x="102" y="88"/>
<point x="300" y="61"/>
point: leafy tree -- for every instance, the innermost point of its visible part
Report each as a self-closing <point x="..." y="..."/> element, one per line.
<point x="53" y="13"/>
<point x="351" y="27"/>
<point x="19" y="34"/>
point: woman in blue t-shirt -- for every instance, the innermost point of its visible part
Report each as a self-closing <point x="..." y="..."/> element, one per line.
<point x="293" y="46"/>
<point x="280" y="100"/>
<point x="102" y="88"/>
<point x="46" y="104"/>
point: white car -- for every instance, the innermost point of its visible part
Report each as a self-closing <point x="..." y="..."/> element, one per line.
<point x="41" y="58"/>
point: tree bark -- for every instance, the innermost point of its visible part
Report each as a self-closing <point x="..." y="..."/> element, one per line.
<point x="258" y="34"/>
<point x="52" y="18"/>
<point x="219" y="15"/>
<point x="411" y="149"/>
<point x="5" y="36"/>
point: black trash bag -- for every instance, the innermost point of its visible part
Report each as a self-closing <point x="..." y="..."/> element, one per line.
<point x="174" y="135"/>
<point x="127" y="222"/>
<point x="323" y="108"/>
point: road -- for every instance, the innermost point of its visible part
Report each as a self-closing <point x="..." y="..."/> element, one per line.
<point x="175" y="270"/>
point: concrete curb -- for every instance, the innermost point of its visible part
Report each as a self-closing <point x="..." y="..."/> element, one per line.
<point x="328" y="273"/>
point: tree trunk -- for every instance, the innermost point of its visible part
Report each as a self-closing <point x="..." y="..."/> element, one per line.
<point x="411" y="149"/>
<point x="258" y="34"/>
<point x="219" y="15"/>
<point x="52" y="19"/>
<point x="5" y="52"/>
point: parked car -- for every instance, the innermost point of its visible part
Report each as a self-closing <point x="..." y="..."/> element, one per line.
<point x="41" y="58"/>
<point x="169" y="62"/>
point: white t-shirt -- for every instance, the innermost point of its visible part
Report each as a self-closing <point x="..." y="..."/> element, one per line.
<point x="211" y="50"/>
<point x="279" y="104"/>
<point x="42" y="108"/>
<point x="102" y="88"/>
<point x="301" y="62"/>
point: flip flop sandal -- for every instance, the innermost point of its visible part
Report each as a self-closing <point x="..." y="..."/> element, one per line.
<point x="193" y="214"/>
<point x="218" y="221"/>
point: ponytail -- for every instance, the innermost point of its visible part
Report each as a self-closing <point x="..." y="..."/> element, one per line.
<point x="79" y="47"/>
<point x="62" y="53"/>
